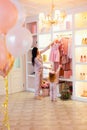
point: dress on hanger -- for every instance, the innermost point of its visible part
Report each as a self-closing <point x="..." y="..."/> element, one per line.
<point x="54" y="53"/>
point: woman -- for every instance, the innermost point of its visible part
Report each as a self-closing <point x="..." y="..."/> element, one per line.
<point x="38" y="68"/>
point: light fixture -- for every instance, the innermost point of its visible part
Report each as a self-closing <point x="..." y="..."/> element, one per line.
<point x="54" y="17"/>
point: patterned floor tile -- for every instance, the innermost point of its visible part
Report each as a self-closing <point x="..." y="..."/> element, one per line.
<point x="26" y="113"/>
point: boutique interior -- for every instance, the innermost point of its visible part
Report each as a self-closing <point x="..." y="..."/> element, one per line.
<point x="38" y="24"/>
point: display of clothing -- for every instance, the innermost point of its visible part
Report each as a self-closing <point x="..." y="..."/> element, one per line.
<point x="55" y="54"/>
<point x="61" y="53"/>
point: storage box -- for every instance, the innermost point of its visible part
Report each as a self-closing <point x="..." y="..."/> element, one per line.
<point x="45" y="88"/>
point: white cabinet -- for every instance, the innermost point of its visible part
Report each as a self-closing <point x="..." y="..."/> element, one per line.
<point x="32" y="26"/>
<point x="80" y="60"/>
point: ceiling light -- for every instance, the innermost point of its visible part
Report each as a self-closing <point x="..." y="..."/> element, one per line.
<point x="55" y="16"/>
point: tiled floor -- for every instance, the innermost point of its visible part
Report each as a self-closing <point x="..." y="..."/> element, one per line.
<point x="26" y="113"/>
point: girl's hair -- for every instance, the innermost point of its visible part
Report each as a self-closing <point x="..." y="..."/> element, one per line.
<point x="34" y="54"/>
<point x="52" y="77"/>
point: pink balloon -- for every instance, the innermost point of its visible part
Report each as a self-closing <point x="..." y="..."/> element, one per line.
<point x="18" y="41"/>
<point x="8" y="15"/>
<point x="3" y="52"/>
<point x="21" y="12"/>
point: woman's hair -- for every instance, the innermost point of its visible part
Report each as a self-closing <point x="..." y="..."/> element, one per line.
<point x="52" y="77"/>
<point x="34" y="54"/>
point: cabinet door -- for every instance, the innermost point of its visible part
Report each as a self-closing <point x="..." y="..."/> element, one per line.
<point x="16" y="77"/>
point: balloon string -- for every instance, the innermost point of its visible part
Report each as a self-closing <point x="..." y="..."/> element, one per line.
<point x="5" y="106"/>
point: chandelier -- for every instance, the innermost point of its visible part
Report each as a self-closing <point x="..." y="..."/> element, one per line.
<point x="54" y="17"/>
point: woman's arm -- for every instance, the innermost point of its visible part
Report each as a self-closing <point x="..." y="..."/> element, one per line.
<point x="45" y="49"/>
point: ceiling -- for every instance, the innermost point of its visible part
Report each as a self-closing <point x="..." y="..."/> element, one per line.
<point x="34" y="7"/>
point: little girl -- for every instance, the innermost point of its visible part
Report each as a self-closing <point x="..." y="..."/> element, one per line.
<point x="53" y="78"/>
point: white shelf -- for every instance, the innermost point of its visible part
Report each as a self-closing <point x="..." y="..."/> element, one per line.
<point x="80" y="46"/>
<point x="81" y="29"/>
<point x="79" y="98"/>
<point x="44" y="33"/>
<point x="47" y="62"/>
<point x="80" y="50"/>
<point x="31" y="75"/>
<point x="81" y="80"/>
<point x="68" y="31"/>
<point x="65" y="79"/>
<point x="81" y="63"/>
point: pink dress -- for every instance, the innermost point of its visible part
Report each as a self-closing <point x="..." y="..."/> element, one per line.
<point x="54" y="54"/>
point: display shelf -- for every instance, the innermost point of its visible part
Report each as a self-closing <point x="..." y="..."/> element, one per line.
<point x="83" y="80"/>
<point x="31" y="75"/>
<point x="80" y="29"/>
<point x="81" y="90"/>
<point x="32" y="26"/>
<point x="81" y="37"/>
<point x="74" y="27"/>
<point x="82" y="73"/>
<point x="62" y="34"/>
<point x="81" y="54"/>
<point x="79" y="98"/>
<point x="80" y="62"/>
<point x="65" y="79"/>
<point x="79" y="46"/>
<point x="81" y="20"/>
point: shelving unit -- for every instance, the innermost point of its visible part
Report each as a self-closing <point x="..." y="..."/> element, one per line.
<point x="32" y="26"/>
<point x="74" y="26"/>
<point x="80" y="38"/>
